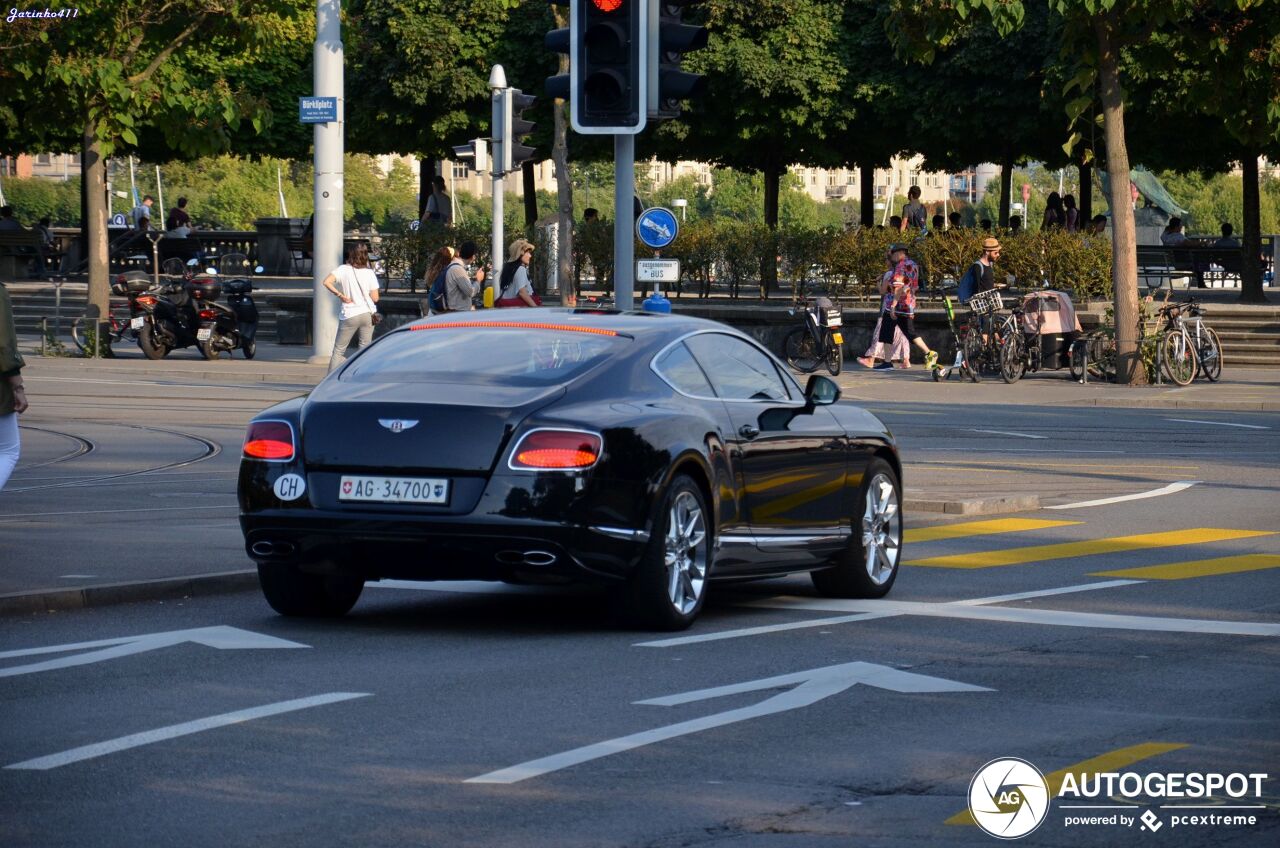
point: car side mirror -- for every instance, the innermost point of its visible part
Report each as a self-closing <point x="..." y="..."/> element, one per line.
<point x="821" y="391"/>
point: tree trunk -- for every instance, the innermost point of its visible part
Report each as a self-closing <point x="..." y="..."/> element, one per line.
<point x="564" y="190"/>
<point x="94" y="175"/>
<point x="1006" y="190"/>
<point x="1085" y="203"/>
<point x="867" y="192"/>
<point x="530" y="195"/>
<point x="1251" y="267"/>
<point x="768" y="257"/>
<point x="1124" y="263"/>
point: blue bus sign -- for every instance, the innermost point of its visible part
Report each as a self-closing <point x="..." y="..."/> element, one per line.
<point x="317" y="110"/>
<point x="657" y="227"/>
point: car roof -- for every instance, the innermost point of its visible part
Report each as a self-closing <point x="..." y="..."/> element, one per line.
<point x="647" y="326"/>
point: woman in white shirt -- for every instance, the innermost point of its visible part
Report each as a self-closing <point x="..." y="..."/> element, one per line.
<point x="356" y="285"/>
<point x="516" y="289"/>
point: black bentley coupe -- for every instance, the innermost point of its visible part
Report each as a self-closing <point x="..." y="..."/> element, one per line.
<point x="654" y="453"/>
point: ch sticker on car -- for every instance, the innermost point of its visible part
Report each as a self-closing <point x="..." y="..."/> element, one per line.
<point x="290" y="487"/>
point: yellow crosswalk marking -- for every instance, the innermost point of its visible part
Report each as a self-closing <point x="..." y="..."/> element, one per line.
<point x="1088" y="547"/>
<point x="1110" y="761"/>
<point x="980" y="528"/>
<point x="1198" y="568"/>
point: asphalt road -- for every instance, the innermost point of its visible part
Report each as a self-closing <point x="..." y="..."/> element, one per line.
<point x="1139" y="635"/>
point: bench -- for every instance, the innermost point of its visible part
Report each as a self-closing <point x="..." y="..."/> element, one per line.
<point x="1205" y="264"/>
<point x="19" y="248"/>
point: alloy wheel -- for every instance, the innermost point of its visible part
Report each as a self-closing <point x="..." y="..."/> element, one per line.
<point x="685" y="552"/>
<point x="881" y="529"/>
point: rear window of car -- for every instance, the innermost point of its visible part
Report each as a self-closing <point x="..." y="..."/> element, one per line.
<point x="508" y="356"/>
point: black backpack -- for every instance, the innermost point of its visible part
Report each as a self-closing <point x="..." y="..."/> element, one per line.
<point x="438" y="300"/>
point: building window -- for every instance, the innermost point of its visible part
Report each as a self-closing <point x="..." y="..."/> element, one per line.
<point x="833" y="178"/>
<point x="851" y="178"/>
<point x="44" y="159"/>
<point x="461" y="171"/>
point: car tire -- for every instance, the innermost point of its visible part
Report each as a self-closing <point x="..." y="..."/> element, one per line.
<point x="293" y="592"/>
<point x="669" y="586"/>
<point x="870" y="563"/>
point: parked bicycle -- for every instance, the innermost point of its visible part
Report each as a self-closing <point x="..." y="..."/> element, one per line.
<point x="123" y="319"/>
<point x="1189" y="347"/>
<point x="818" y="340"/>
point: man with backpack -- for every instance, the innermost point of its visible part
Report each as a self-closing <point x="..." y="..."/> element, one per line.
<point x="981" y="275"/>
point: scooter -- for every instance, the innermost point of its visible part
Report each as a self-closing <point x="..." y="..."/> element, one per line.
<point x="169" y="319"/>
<point x="235" y="324"/>
<point x="961" y="365"/>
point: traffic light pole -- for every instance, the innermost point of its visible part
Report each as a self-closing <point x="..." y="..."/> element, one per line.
<point x="497" y="82"/>
<point x="326" y="232"/>
<point x="624" y="222"/>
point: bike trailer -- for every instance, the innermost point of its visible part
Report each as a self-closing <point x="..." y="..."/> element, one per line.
<point x="1051" y="315"/>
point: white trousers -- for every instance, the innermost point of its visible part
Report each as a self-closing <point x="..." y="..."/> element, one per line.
<point x="9" y="446"/>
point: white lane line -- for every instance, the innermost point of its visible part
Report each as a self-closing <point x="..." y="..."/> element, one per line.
<point x="1008" y="433"/>
<point x="1219" y="423"/>
<point x="148" y="737"/>
<point x="1170" y="489"/>
<point x="5" y="519"/>
<point x="760" y="631"/>
<point x="1014" y="615"/>
<point x="1022" y="450"/>
<point x="1045" y="593"/>
<point x="865" y="616"/>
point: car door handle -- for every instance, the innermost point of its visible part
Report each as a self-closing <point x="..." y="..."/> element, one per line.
<point x="748" y="431"/>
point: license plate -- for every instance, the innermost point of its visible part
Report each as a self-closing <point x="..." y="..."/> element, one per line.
<point x="838" y="338"/>
<point x="136" y="323"/>
<point x="393" y="490"/>
<point x="204" y="333"/>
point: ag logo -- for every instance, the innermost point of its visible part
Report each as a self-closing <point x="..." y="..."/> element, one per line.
<point x="1008" y="798"/>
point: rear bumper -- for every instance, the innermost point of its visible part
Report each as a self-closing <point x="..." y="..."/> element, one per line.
<point x="414" y="547"/>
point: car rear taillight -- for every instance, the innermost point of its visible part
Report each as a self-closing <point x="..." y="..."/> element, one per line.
<point x="269" y="440"/>
<point x="146" y="300"/>
<point x="207" y="314"/>
<point x="563" y="450"/>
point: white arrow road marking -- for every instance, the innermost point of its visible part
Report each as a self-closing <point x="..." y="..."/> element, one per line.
<point x="810" y="687"/>
<point x="1219" y="423"/>
<point x="1170" y="489"/>
<point x="868" y="616"/>
<point x="220" y="637"/>
<point x="173" y="731"/>
<point x="1007" y="433"/>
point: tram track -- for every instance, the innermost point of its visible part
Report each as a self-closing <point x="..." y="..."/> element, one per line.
<point x="83" y="446"/>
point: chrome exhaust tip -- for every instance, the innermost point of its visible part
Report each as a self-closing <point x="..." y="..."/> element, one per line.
<point x="539" y="558"/>
<point x="262" y="549"/>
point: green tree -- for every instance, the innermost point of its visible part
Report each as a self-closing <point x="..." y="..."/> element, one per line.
<point x="117" y="67"/>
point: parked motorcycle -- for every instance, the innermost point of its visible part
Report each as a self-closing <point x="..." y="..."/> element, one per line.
<point x="169" y="311"/>
<point x="226" y="327"/>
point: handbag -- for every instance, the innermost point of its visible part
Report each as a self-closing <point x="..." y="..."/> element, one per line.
<point x="375" y="317"/>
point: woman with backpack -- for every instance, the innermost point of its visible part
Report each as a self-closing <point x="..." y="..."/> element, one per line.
<point x="435" y="279"/>
<point x="514" y="286"/>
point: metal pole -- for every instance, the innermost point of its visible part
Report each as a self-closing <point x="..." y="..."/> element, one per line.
<point x="497" y="82"/>
<point x="624" y="221"/>
<point x="326" y="249"/>
<point x="160" y="193"/>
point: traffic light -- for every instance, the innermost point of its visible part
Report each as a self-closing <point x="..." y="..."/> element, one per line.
<point x="607" y="60"/>
<point x="475" y="153"/>
<point x="669" y="39"/>
<point x="515" y="128"/>
<point x="559" y="41"/>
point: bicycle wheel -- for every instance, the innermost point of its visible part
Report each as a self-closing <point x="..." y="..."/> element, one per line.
<point x="1102" y="357"/>
<point x="800" y="350"/>
<point x="1210" y="356"/>
<point x="1178" y="357"/>
<point x="78" y="334"/>
<point x="1012" y="358"/>
<point x="971" y="345"/>
<point x="83" y="333"/>
<point x="835" y="357"/>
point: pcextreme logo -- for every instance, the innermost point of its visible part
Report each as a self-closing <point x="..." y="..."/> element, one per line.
<point x="1009" y="798"/>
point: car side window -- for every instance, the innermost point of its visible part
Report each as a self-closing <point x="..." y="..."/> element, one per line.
<point x="677" y="367"/>
<point x="738" y="370"/>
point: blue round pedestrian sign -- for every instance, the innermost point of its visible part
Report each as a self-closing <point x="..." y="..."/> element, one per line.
<point x="118" y="220"/>
<point x="657" y="227"/>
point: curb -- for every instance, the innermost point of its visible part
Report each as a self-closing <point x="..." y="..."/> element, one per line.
<point x="975" y="506"/>
<point x="56" y="600"/>
<point x="1124" y="403"/>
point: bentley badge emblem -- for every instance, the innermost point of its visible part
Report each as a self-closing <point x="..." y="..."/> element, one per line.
<point x="397" y="425"/>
